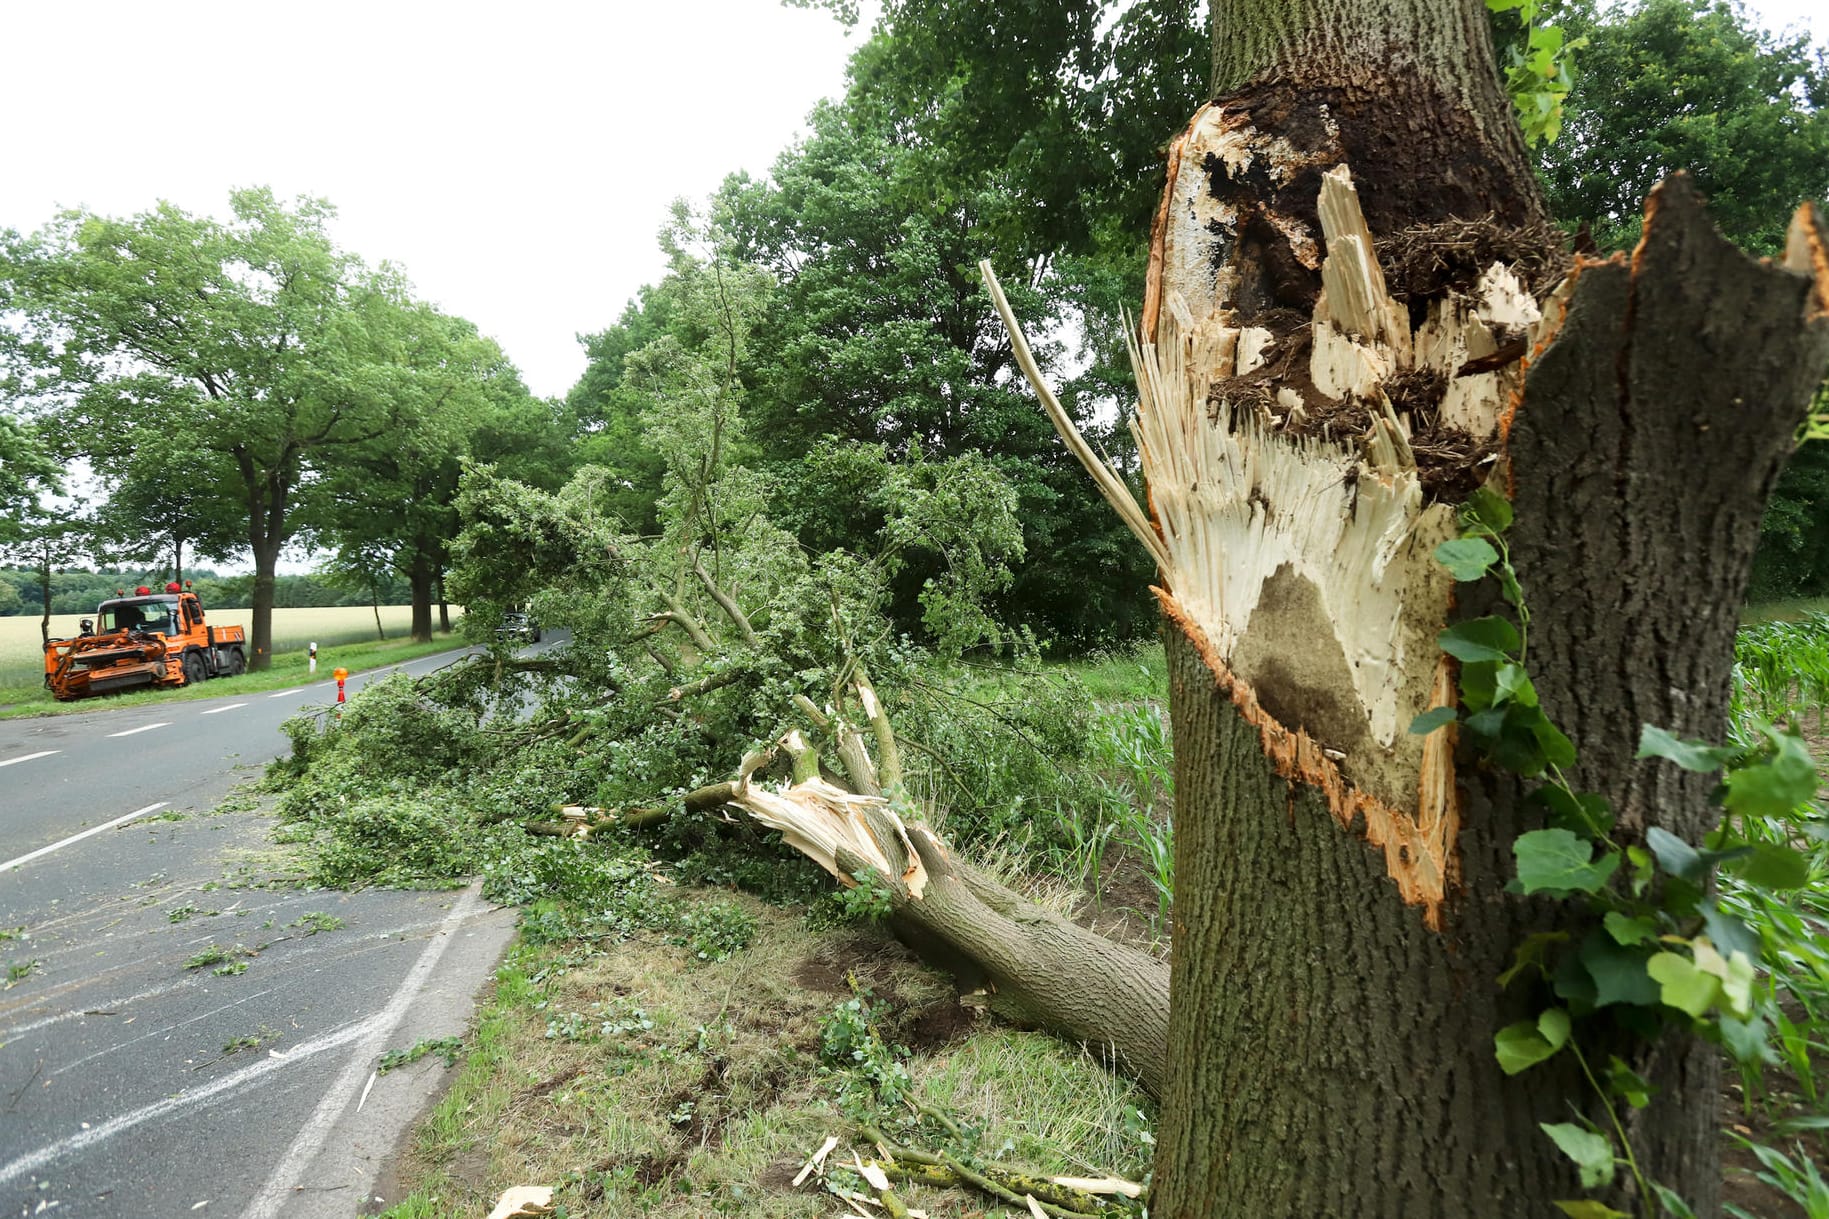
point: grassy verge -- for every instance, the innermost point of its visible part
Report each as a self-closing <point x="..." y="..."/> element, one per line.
<point x="640" y="1081"/>
<point x="289" y="669"/>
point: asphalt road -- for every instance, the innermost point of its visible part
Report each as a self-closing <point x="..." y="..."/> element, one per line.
<point x="134" y="1085"/>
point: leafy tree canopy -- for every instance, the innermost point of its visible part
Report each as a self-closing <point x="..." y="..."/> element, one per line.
<point x="1689" y="85"/>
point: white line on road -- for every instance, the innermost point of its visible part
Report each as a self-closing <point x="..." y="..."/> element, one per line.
<point x="220" y="710"/>
<point x="142" y="728"/>
<point x="284" y="693"/>
<point x="316" y="1131"/>
<point x="10" y="864"/>
<point x="42" y="753"/>
<point x="103" y="1131"/>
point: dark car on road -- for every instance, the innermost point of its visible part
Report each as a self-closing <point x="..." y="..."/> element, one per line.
<point x="518" y="627"/>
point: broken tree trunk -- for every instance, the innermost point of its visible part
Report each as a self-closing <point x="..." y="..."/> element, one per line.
<point x="1022" y="962"/>
<point x="1356" y="317"/>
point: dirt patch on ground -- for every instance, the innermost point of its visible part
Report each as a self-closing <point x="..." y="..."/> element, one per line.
<point x="1124" y="906"/>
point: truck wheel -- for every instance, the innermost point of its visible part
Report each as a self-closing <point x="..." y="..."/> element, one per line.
<point x="238" y="664"/>
<point x="194" y="669"/>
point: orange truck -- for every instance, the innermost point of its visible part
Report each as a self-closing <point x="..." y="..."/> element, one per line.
<point x="148" y="639"/>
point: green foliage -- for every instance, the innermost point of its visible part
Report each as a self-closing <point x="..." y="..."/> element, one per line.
<point x="1690" y="85"/>
<point x="876" y="1075"/>
<point x="1648" y="946"/>
<point x="1539" y="65"/>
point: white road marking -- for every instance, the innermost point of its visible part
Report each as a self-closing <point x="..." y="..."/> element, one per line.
<point x="10" y="864"/>
<point x="316" y="1131"/>
<point x="284" y="693"/>
<point x="220" y="710"/>
<point x="42" y="753"/>
<point x="103" y="1131"/>
<point x="142" y="728"/>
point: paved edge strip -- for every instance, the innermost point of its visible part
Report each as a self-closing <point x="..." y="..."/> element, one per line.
<point x="10" y="864"/>
<point x="103" y="1131"/>
<point x="315" y="1132"/>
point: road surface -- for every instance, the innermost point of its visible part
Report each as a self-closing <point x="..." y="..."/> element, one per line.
<point x="137" y="1083"/>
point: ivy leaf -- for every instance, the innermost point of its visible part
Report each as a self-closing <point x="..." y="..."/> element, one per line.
<point x="1466" y="558"/>
<point x="1488" y="638"/>
<point x="1629" y="931"/>
<point x="1486" y="506"/>
<point x="1700" y="756"/>
<point x="1554" y="1026"/>
<point x="1778" y="786"/>
<point x="1730" y="933"/>
<point x="1479" y="685"/>
<point x="1746" y="1039"/>
<point x="1629" y="1085"/>
<point x="1487" y="724"/>
<point x="1586" y="814"/>
<point x="1558" y="750"/>
<point x="1533" y="953"/>
<point x="1514" y="684"/>
<point x="1432" y="719"/>
<point x="1673" y="854"/>
<point x="1592" y="1154"/>
<point x="1773" y="866"/>
<point x="1683" y="986"/>
<point x="1618" y="972"/>
<point x="1559" y="863"/>
<point x="1522" y="1045"/>
<point x="1735" y="974"/>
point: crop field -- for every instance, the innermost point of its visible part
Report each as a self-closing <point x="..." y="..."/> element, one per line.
<point x="22" y="651"/>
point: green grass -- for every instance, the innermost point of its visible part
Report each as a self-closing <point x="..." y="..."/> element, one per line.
<point x="1787" y="609"/>
<point x="288" y="669"/>
<point x="1138" y="673"/>
<point x="641" y="1081"/>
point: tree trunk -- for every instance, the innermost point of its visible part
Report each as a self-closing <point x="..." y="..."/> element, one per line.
<point x="374" y="603"/>
<point x="177" y="560"/>
<point x="260" y="628"/>
<point x="444" y="607"/>
<point x="420" y="576"/>
<point x="1014" y="958"/>
<point x="44" y="591"/>
<point x="1340" y="919"/>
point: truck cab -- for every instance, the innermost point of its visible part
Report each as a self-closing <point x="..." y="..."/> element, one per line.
<point x="148" y="639"/>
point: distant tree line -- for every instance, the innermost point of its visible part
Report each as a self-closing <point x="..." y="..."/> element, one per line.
<point x="78" y="591"/>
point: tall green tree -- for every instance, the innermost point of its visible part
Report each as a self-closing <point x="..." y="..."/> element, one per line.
<point x="880" y="335"/>
<point x="455" y="397"/>
<point x="244" y="349"/>
<point x="1692" y="85"/>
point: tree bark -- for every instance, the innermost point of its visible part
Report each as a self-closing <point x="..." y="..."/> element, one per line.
<point x="44" y="591"/>
<point x="1014" y="958"/>
<point x="1340" y="919"/>
<point x="420" y="575"/>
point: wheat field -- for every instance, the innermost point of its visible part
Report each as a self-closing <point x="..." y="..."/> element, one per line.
<point x="22" y="648"/>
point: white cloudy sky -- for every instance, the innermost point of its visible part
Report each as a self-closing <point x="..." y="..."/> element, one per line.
<point x="516" y="158"/>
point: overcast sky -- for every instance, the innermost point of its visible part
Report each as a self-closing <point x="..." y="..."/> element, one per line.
<point x="517" y="159"/>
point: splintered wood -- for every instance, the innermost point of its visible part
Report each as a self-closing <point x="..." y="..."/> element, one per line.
<point x="823" y="822"/>
<point x="1329" y="535"/>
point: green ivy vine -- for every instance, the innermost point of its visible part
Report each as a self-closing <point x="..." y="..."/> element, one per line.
<point x="1651" y="951"/>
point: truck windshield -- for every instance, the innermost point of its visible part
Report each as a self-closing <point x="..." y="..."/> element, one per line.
<point x="146" y="616"/>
